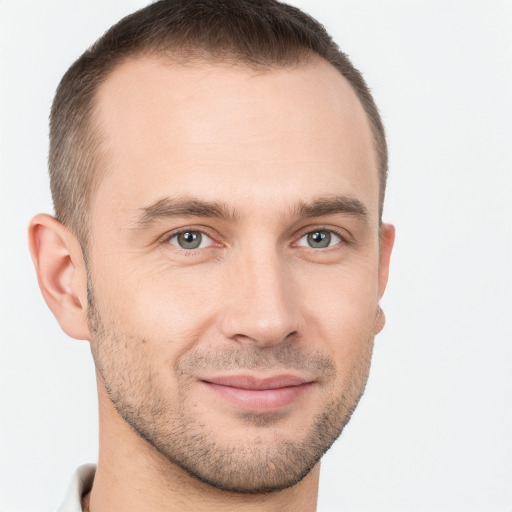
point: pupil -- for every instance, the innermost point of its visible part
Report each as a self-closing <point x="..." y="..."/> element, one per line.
<point x="319" y="239"/>
<point x="189" y="240"/>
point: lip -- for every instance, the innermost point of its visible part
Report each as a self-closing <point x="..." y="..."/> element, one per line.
<point x="255" y="394"/>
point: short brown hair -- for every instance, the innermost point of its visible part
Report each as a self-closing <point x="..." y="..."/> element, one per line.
<point x="253" y="33"/>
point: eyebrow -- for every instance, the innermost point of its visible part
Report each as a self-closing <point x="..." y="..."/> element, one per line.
<point x="168" y="208"/>
<point x="331" y="205"/>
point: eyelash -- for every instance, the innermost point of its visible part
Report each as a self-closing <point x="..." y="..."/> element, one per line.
<point x="343" y="235"/>
<point x="181" y="250"/>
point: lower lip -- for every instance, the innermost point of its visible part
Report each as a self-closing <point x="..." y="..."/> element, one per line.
<point x="259" y="400"/>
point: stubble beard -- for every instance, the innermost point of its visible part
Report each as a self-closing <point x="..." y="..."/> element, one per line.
<point x="177" y="433"/>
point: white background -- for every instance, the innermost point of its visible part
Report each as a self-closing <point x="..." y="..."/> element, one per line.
<point x="434" y="429"/>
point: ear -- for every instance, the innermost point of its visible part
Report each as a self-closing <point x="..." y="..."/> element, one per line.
<point x="387" y="240"/>
<point x="61" y="273"/>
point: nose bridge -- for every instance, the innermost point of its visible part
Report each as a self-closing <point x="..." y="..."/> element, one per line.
<point x="262" y="306"/>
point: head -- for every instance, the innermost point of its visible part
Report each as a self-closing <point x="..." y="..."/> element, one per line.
<point x="218" y="172"/>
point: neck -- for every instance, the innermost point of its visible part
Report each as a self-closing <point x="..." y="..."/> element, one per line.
<point x="134" y="477"/>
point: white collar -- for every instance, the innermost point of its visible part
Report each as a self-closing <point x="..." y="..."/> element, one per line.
<point x="81" y="483"/>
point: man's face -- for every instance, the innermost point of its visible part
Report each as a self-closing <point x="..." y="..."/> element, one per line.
<point x="234" y="264"/>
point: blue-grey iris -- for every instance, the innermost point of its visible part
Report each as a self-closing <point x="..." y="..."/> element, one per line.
<point x="319" y="239"/>
<point x="189" y="239"/>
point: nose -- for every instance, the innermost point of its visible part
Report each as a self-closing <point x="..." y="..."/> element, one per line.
<point x="262" y="307"/>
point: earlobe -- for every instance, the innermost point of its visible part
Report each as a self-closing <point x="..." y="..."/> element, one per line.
<point x="61" y="273"/>
<point x="387" y="240"/>
<point x="380" y="320"/>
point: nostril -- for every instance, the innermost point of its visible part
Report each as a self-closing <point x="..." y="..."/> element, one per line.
<point x="267" y="337"/>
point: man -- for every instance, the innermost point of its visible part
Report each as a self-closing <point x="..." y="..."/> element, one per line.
<point x="218" y="172"/>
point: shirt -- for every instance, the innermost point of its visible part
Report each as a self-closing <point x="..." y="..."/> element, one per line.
<point x="81" y="484"/>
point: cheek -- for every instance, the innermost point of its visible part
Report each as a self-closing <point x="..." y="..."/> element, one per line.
<point x="164" y="304"/>
<point x="340" y="309"/>
<point x="346" y="294"/>
<point x="171" y="308"/>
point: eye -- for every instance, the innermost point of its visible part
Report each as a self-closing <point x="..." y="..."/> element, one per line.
<point x="319" y="239"/>
<point x="190" y="240"/>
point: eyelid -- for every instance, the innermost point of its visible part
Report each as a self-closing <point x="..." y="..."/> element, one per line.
<point x="330" y="246"/>
<point x="343" y="234"/>
<point x="165" y="239"/>
<point x="205" y="239"/>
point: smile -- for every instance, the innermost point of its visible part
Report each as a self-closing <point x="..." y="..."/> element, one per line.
<point x="259" y="394"/>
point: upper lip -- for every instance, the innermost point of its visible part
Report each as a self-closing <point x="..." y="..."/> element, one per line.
<point x="258" y="383"/>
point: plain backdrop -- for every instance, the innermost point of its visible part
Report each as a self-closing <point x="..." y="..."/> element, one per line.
<point x="433" y="431"/>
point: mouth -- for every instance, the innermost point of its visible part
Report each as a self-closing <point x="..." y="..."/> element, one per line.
<point x="255" y="394"/>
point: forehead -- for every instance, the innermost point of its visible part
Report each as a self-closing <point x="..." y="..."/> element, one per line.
<point x="231" y="133"/>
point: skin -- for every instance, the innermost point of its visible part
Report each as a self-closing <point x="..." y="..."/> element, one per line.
<point x="254" y="298"/>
